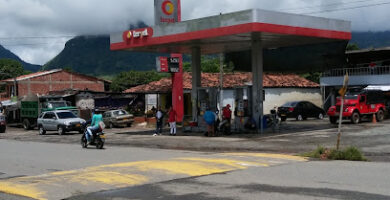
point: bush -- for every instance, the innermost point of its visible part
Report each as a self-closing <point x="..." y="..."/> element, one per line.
<point x="316" y="153"/>
<point x="350" y="153"/>
<point x="336" y="155"/>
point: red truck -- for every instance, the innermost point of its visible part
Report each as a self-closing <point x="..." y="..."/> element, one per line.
<point x="358" y="105"/>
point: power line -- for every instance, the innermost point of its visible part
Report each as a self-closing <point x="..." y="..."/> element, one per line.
<point x="37" y="37"/>
<point x="325" y="5"/>
<point x="33" y="44"/>
<point x="347" y="8"/>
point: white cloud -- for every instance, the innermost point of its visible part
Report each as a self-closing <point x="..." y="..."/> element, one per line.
<point x="23" y="18"/>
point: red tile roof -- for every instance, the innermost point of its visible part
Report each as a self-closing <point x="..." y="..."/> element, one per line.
<point x="229" y="81"/>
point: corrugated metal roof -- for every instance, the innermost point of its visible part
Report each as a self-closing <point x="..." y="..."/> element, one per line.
<point x="43" y="73"/>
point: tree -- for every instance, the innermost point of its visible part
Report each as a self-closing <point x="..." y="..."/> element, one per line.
<point x="352" y="47"/>
<point x="312" y="76"/>
<point x="126" y="80"/>
<point x="10" y="68"/>
<point x="210" y="65"/>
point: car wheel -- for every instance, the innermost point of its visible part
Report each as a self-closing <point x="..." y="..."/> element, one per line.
<point x="299" y="117"/>
<point x="321" y="116"/>
<point x="2" y="129"/>
<point x="283" y="119"/>
<point x="61" y="130"/>
<point x="380" y="116"/>
<point x="355" y="118"/>
<point x="333" y="120"/>
<point x="111" y="125"/>
<point x="26" y="124"/>
<point x="41" y="130"/>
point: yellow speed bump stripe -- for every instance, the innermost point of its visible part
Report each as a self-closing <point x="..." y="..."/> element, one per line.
<point x="59" y="185"/>
<point x="269" y="155"/>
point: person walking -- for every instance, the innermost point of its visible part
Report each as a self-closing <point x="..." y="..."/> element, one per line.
<point x="210" y="118"/>
<point x="159" y="121"/>
<point x="172" y="121"/>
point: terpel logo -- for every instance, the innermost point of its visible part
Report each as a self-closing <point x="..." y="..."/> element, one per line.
<point x="167" y="7"/>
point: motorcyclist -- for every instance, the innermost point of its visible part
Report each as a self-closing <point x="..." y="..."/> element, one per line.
<point x="96" y="125"/>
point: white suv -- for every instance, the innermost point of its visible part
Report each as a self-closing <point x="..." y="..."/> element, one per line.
<point x="61" y="121"/>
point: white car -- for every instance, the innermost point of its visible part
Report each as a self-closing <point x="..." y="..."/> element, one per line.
<point x="61" y="121"/>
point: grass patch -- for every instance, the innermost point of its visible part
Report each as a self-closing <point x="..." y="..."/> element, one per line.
<point x="349" y="153"/>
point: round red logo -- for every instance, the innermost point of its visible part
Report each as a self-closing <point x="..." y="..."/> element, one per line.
<point x="167" y="7"/>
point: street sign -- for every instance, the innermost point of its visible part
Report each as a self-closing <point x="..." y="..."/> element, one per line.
<point x="343" y="90"/>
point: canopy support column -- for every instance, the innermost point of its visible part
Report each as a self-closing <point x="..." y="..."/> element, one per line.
<point x="196" y="81"/>
<point x="257" y="76"/>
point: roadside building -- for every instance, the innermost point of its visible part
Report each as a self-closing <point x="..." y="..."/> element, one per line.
<point x="278" y="88"/>
<point x="41" y="83"/>
<point x="86" y="100"/>
<point x="366" y="68"/>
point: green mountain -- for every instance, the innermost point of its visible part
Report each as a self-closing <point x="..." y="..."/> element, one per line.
<point x="5" y="53"/>
<point x="92" y="55"/>
<point x="371" y="39"/>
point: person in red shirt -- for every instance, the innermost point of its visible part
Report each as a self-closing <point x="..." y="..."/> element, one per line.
<point x="172" y="121"/>
<point x="226" y="116"/>
<point x="227" y="113"/>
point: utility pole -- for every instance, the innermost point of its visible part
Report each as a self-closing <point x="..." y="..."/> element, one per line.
<point x="220" y="84"/>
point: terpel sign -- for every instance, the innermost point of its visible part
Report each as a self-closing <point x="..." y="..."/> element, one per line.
<point x="137" y="34"/>
<point x="166" y="11"/>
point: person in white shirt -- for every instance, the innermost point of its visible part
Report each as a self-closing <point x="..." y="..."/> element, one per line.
<point x="159" y="121"/>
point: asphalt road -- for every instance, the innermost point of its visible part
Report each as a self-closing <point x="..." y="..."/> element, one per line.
<point x="58" y="171"/>
<point x="293" y="138"/>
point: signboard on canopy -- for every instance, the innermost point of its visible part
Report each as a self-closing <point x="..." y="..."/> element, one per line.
<point x="166" y="11"/>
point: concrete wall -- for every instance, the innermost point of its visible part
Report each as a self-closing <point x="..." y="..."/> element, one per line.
<point x="279" y="96"/>
<point x="58" y="81"/>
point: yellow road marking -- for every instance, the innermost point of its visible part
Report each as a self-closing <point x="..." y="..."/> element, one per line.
<point x="269" y="155"/>
<point x="120" y="175"/>
<point x="21" y="190"/>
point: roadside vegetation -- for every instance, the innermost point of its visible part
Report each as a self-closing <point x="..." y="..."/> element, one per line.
<point x="349" y="153"/>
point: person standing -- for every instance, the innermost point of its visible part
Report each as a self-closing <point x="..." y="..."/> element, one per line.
<point x="159" y="121"/>
<point x="210" y="118"/>
<point x="172" y="121"/>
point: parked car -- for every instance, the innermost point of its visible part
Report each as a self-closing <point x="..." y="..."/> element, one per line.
<point x="300" y="110"/>
<point x="118" y="118"/>
<point x="59" y="120"/>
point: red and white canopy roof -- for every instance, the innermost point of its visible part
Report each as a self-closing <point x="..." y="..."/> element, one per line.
<point x="233" y="32"/>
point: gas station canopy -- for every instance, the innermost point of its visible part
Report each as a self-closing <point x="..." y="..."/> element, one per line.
<point x="234" y="32"/>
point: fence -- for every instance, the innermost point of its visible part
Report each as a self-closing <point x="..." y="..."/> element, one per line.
<point x="376" y="70"/>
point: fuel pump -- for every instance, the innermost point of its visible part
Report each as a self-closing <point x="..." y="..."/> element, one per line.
<point x="207" y="98"/>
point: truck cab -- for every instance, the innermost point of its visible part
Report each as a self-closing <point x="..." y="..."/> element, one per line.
<point x="358" y="105"/>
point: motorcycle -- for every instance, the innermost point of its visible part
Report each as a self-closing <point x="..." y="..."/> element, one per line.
<point x="97" y="139"/>
<point x="222" y="127"/>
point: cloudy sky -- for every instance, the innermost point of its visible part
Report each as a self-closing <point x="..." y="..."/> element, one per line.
<point x="36" y="30"/>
